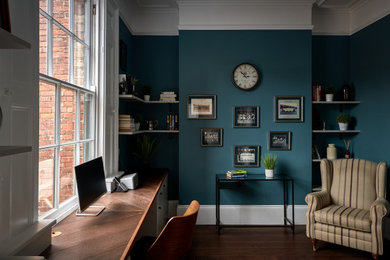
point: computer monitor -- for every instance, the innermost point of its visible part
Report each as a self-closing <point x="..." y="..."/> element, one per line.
<point x="91" y="185"/>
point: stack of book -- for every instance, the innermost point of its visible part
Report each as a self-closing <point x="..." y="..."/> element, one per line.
<point x="126" y="123"/>
<point x="317" y="93"/>
<point x="236" y="174"/>
<point x="173" y="122"/>
<point x="168" y="96"/>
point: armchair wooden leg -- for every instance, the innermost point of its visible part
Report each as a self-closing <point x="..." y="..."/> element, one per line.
<point x="314" y="242"/>
<point x="375" y="256"/>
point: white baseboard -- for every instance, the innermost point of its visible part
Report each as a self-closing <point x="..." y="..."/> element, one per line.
<point x="172" y="208"/>
<point x="247" y="214"/>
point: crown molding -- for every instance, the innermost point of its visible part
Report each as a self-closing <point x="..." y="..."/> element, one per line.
<point x="243" y="15"/>
<point x="367" y="13"/>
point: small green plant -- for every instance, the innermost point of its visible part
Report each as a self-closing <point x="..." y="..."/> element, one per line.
<point x="343" y="118"/>
<point x="146" y="148"/>
<point x="133" y="81"/>
<point x="330" y="90"/>
<point x="269" y="161"/>
<point x="146" y="89"/>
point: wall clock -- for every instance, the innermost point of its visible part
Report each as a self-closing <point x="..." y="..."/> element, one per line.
<point x="245" y="76"/>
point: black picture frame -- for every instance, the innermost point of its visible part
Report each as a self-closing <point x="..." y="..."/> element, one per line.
<point x="211" y="137"/>
<point x="279" y="140"/>
<point x="288" y="109"/>
<point x="246" y="156"/>
<point x="122" y="55"/>
<point x="246" y="117"/>
<point x="201" y="107"/>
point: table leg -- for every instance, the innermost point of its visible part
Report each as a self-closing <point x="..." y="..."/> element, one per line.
<point x="284" y="203"/>
<point x="217" y="202"/>
<point x="293" y="205"/>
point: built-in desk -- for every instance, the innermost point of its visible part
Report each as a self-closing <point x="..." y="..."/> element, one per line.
<point x="112" y="234"/>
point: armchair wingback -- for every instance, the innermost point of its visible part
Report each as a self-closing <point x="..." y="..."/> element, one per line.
<point x="351" y="205"/>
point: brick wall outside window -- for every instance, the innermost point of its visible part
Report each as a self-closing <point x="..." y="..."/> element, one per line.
<point x="61" y="43"/>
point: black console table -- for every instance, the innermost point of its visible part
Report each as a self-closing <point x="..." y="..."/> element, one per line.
<point x="223" y="183"/>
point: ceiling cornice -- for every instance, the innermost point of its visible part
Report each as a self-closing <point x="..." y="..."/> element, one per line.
<point x="167" y="19"/>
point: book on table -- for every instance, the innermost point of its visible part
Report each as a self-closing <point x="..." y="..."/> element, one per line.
<point x="236" y="174"/>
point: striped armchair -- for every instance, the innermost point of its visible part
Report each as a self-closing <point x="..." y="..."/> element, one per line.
<point x="350" y="208"/>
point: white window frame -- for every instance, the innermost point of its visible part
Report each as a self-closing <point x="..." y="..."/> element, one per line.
<point x="60" y="211"/>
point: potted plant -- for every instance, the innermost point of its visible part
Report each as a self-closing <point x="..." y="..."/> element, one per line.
<point x="133" y="82"/>
<point x="269" y="162"/>
<point x="146" y="148"/>
<point x="138" y="119"/>
<point x="146" y="90"/>
<point x="343" y="120"/>
<point x="329" y="93"/>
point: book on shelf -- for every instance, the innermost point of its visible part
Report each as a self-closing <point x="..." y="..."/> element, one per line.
<point x="236" y="174"/>
<point x="316" y="93"/>
<point x="168" y="96"/>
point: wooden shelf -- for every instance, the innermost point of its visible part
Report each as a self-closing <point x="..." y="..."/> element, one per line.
<point x="10" y="41"/>
<point x="337" y="102"/>
<point x="10" y="150"/>
<point x="136" y="99"/>
<point x="150" y="131"/>
<point x="336" y="131"/>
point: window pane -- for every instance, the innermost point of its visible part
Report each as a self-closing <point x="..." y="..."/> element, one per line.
<point x="61" y="12"/>
<point x="79" y="64"/>
<point x="68" y="115"/>
<point x="67" y="156"/>
<point x="46" y="113"/>
<point x="86" y="151"/>
<point x="60" y="54"/>
<point x="80" y="22"/>
<point x="46" y="181"/>
<point x="42" y="44"/>
<point x="43" y="5"/>
<point x="86" y="113"/>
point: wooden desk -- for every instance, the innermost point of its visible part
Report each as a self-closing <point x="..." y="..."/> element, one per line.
<point x="112" y="234"/>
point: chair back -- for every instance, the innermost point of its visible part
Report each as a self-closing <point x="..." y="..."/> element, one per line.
<point x="354" y="183"/>
<point x="175" y="239"/>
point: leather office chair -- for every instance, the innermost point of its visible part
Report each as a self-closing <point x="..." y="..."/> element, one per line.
<point x="173" y="242"/>
<point x="350" y="208"/>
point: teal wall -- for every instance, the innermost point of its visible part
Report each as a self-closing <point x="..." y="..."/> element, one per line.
<point x="370" y="73"/>
<point x="126" y="37"/>
<point x="362" y="60"/>
<point x="154" y="61"/>
<point x="206" y="61"/>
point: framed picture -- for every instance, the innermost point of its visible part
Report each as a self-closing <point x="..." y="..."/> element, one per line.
<point x="279" y="140"/>
<point x="201" y="107"/>
<point x="211" y="137"/>
<point x="289" y="109"/>
<point x="246" y="156"/>
<point x="247" y="116"/>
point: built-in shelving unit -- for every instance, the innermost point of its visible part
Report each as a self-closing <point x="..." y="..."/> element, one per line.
<point x="336" y="131"/>
<point x="337" y="102"/>
<point x="14" y="149"/>
<point x="136" y="99"/>
<point x="324" y="107"/>
<point x="10" y="41"/>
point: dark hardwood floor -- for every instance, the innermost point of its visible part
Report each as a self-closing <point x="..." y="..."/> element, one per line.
<point x="266" y="243"/>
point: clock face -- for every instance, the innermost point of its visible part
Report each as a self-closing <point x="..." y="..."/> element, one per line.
<point x="245" y="76"/>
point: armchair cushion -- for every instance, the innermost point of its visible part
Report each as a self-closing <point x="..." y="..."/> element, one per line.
<point x="346" y="217"/>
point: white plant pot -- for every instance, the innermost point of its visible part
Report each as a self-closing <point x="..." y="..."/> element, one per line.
<point x="269" y="173"/>
<point x="146" y="97"/>
<point x="329" y="97"/>
<point x="343" y="126"/>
